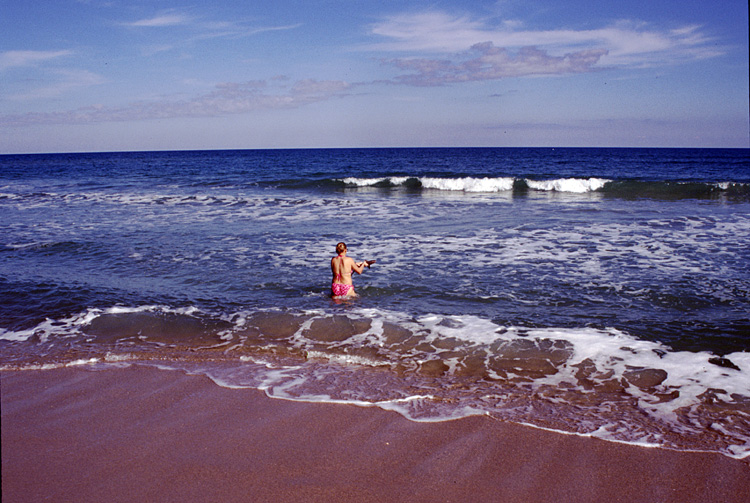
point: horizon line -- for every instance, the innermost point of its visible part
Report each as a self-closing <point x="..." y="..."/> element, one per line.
<point x="187" y="150"/>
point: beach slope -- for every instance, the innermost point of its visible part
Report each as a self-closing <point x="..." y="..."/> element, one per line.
<point x="142" y="434"/>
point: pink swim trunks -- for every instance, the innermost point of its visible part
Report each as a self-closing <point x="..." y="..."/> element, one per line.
<point x="339" y="289"/>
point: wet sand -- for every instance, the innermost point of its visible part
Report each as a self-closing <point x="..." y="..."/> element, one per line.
<point x="141" y="434"/>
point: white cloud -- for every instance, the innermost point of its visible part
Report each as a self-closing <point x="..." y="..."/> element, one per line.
<point x="430" y="31"/>
<point x="10" y="59"/>
<point x="264" y="29"/>
<point x="167" y="19"/>
<point x="626" y="43"/>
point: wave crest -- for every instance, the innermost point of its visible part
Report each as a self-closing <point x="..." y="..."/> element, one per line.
<point x="485" y="184"/>
<point x="577" y="185"/>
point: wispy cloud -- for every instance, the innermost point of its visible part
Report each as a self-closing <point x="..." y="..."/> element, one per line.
<point x="224" y="99"/>
<point x="63" y="81"/>
<point x="264" y="29"/>
<point x="10" y="59"/>
<point x="492" y="63"/>
<point x="207" y="31"/>
<point x="430" y="31"/>
<point x="199" y="28"/>
<point x="514" y="51"/>
<point x="162" y="20"/>
<point x="53" y="82"/>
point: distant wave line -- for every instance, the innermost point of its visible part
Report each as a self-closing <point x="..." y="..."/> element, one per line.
<point x="626" y="189"/>
<point x="570" y="185"/>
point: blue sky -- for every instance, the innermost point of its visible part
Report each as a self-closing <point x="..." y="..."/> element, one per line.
<point x="101" y="75"/>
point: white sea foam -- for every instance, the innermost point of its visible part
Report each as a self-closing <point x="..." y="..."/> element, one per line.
<point x="613" y="355"/>
<point x="468" y="184"/>
<point x="609" y="254"/>
<point x="331" y="372"/>
<point x="576" y="185"/>
<point x="611" y="350"/>
<point x="72" y="326"/>
<point x="346" y="359"/>
<point x="366" y="182"/>
<point x="728" y="185"/>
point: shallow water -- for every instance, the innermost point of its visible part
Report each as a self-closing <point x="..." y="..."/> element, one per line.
<point x="596" y="291"/>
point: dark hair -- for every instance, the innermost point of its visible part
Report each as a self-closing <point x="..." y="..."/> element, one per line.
<point x="341" y="248"/>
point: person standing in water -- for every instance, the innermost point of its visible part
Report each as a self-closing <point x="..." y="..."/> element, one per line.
<point x="341" y="268"/>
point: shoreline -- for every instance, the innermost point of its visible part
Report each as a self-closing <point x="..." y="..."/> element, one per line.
<point x="139" y="433"/>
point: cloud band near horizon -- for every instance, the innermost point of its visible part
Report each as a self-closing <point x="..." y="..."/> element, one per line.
<point x="470" y="50"/>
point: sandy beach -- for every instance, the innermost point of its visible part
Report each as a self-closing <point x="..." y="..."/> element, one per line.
<point x="141" y="434"/>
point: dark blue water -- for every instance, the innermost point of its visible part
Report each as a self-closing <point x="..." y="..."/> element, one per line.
<point x="521" y="270"/>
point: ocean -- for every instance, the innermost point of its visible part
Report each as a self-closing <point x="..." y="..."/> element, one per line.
<point x="602" y="292"/>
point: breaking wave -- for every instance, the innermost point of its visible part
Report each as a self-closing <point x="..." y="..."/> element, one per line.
<point x="615" y="188"/>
